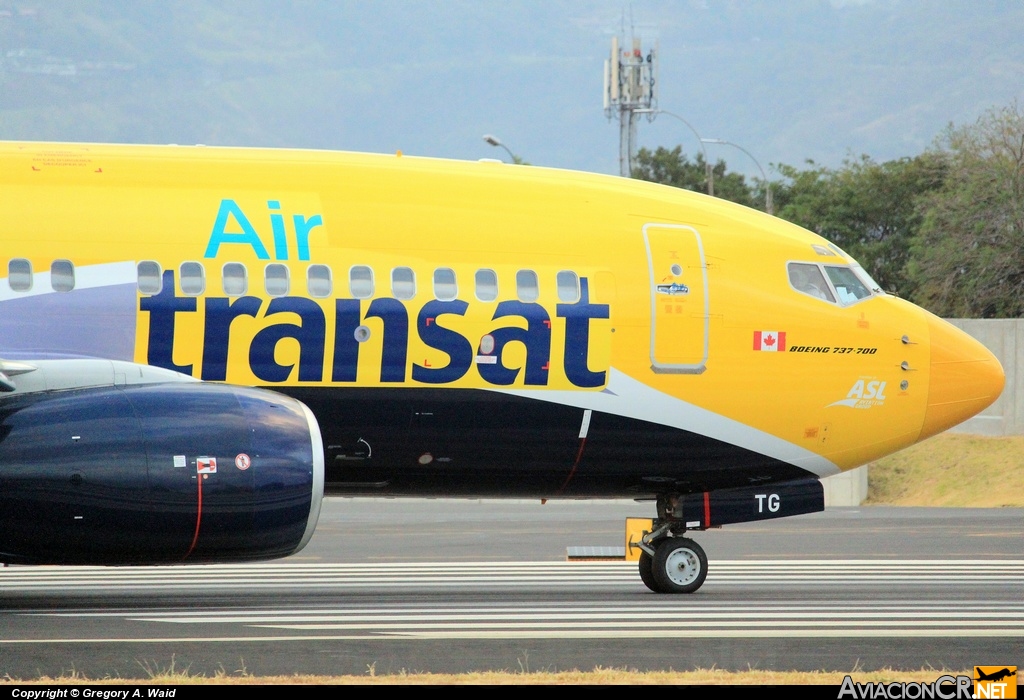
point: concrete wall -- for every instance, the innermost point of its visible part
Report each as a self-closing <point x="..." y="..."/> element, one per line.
<point x="1005" y="338"/>
<point x="847" y="489"/>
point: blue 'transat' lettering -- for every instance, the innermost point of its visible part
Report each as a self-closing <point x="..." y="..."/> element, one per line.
<point x="577" y="337"/>
<point x="162" y="308"/>
<point x="458" y="349"/>
<point x="310" y="332"/>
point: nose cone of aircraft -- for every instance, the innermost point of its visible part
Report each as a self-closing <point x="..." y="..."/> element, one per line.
<point x="965" y="378"/>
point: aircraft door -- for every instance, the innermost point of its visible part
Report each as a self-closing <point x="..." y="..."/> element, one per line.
<point x="679" y="299"/>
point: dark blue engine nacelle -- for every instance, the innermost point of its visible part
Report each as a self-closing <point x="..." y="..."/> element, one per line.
<point x="157" y="474"/>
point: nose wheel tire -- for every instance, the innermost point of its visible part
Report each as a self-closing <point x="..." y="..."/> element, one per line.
<point x="679" y="565"/>
<point x="647" y="571"/>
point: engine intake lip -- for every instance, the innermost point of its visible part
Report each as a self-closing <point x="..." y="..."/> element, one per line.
<point x="317" y="445"/>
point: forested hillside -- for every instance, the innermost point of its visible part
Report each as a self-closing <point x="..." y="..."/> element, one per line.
<point x="789" y="80"/>
<point x="944" y="228"/>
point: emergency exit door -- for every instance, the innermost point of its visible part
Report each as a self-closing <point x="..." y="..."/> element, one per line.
<point x="679" y="298"/>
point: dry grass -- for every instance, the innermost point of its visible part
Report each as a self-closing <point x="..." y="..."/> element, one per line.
<point x="951" y="470"/>
<point x="599" y="676"/>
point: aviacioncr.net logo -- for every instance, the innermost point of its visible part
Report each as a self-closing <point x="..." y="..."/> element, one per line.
<point x="995" y="682"/>
<point x="942" y="688"/>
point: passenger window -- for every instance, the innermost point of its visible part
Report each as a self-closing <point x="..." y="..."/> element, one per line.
<point x="568" y="287"/>
<point x="62" y="276"/>
<point x="193" y="279"/>
<point x="847" y="284"/>
<point x="235" y="279"/>
<point x="318" y="281"/>
<point x="807" y="279"/>
<point x="360" y="282"/>
<point x="19" y="275"/>
<point x="486" y="285"/>
<point x="445" y="287"/>
<point x="150" y="277"/>
<point x="276" y="280"/>
<point x="527" y="288"/>
<point x="403" y="283"/>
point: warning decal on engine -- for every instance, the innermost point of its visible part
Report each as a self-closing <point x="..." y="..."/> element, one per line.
<point x="206" y="465"/>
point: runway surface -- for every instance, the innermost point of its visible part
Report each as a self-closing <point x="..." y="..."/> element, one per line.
<point x="357" y="601"/>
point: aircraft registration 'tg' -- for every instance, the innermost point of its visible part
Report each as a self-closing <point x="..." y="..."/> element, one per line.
<point x="198" y="343"/>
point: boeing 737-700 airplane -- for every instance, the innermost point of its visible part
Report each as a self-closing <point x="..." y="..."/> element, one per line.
<point x="198" y="343"/>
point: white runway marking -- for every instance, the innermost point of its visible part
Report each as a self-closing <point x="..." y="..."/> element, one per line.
<point x="646" y="616"/>
<point x="635" y="621"/>
<point x="489" y="575"/>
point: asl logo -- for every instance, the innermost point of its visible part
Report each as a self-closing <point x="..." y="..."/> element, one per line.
<point x="995" y="682"/>
<point x="865" y="393"/>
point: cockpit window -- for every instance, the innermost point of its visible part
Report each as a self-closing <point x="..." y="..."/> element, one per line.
<point x="838" y="250"/>
<point x="848" y="285"/>
<point x="867" y="279"/>
<point x="807" y="278"/>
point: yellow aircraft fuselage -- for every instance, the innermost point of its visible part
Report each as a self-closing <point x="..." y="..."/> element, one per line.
<point x="443" y="319"/>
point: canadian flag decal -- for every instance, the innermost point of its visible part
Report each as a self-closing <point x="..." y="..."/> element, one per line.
<point x="770" y="341"/>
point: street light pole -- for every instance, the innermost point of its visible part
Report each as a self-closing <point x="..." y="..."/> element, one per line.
<point x="767" y="185"/>
<point x="707" y="163"/>
<point x="495" y="141"/>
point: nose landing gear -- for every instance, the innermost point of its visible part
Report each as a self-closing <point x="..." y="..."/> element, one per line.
<point x="677" y="565"/>
<point x="670" y="562"/>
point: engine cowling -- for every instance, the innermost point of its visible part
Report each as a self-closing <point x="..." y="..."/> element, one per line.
<point x="157" y="474"/>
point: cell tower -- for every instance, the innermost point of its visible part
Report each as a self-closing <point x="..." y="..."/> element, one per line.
<point x="630" y="84"/>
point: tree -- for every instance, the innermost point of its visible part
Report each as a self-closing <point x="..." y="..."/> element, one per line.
<point x="869" y="209"/>
<point x="673" y="167"/>
<point x="968" y="258"/>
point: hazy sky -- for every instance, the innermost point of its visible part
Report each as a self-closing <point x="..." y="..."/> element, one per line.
<point x="787" y="79"/>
